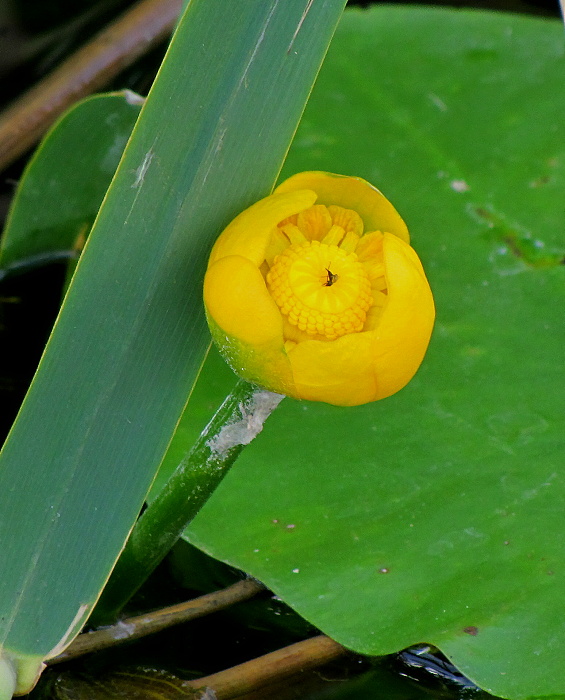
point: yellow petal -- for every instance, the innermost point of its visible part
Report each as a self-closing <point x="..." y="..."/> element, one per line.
<point x="402" y="336"/>
<point x="293" y="234"/>
<point x="314" y="222"/>
<point x="246" y="324"/>
<point x="348" y="219"/>
<point x="237" y="298"/>
<point x="351" y="193"/>
<point x="248" y="235"/>
<point x="350" y="242"/>
<point x="339" y="372"/>
<point x="370" y="246"/>
<point x="334" y="236"/>
<point x="266" y="365"/>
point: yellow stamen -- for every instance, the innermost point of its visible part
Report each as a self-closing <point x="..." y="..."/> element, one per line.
<point x="369" y="250"/>
<point x="375" y="312"/>
<point x="277" y="244"/>
<point x="349" y="243"/>
<point x="370" y="246"/>
<point x="374" y="270"/>
<point x="348" y="219"/>
<point x="294" y="234"/>
<point x="298" y="282"/>
<point x="334" y="236"/>
<point x="315" y="222"/>
<point x="378" y="284"/>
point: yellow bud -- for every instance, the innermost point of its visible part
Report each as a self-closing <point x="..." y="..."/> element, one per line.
<point x="315" y="292"/>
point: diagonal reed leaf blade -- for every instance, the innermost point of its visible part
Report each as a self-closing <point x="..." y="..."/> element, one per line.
<point x="131" y="336"/>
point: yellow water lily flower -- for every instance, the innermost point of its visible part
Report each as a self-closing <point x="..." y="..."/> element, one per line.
<point x="315" y="292"/>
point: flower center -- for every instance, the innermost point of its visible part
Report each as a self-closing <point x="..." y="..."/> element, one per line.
<point x="321" y="289"/>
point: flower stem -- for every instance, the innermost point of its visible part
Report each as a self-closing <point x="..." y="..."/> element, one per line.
<point x="238" y="420"/>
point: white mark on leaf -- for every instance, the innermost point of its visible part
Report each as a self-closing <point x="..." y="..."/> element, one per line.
<point x="437" y="101"/>
<point x="300" y="23"/>
<point x="143" y="168"/>
<point x="459" y="186"/>
<point x="132" y="98"/>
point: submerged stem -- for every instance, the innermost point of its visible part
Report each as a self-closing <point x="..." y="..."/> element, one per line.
<point x="238" y="420"/>
<point x="274" y="667"/>
<point x="130" y="36"/>
<point x="150" y="623"/>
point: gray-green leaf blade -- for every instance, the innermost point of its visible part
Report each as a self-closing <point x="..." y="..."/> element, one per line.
<point x="131" y="335"/>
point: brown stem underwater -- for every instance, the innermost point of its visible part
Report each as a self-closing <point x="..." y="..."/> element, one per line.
<point x="87" y="70"/>
<point x="142" y="625"/>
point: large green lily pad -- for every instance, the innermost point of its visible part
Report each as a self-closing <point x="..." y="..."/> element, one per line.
<point x="436" y="515"/>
